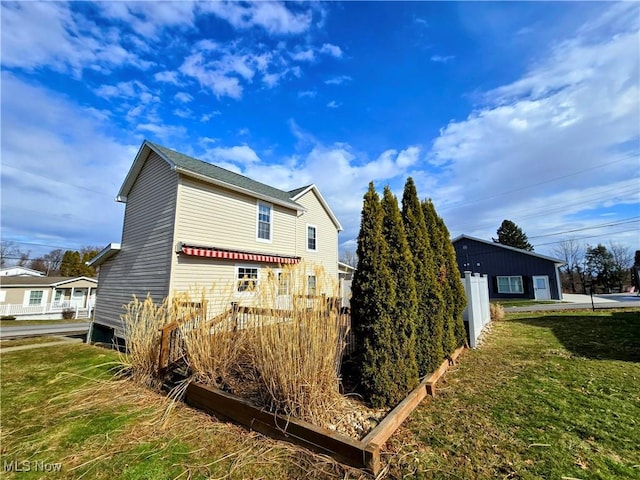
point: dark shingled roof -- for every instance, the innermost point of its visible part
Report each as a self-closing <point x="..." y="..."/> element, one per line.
<point x="222" y="175"/>
<point x="40" y="281"/>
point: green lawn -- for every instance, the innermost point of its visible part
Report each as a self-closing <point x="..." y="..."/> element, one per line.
<point x="525" y="303"/>
<point x="17" y="323"/>
<point x="548" y="395"/>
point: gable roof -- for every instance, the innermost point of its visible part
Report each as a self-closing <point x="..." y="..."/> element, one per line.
<point x="508" y="247"/>
<point x="20" y="272"/>
<point x="299" y="192"/>
<point x="42" y="281"/>
<point x="206" y="172"/>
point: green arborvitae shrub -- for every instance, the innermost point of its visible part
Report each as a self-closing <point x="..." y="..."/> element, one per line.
<point x="372" y="293"/>
<point x="429" y="318"/>
<point x="457" y="293"/>
<point x="404" y="310"/>
<point x="437" y="244"/>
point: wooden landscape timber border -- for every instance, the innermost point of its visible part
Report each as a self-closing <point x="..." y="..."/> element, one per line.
<point x="363" y="453"/>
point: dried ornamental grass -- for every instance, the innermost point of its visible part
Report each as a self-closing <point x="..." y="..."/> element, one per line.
<point x="142" y="322"/>
<point x="297" y="355"/>
<point x="497" y="311"/>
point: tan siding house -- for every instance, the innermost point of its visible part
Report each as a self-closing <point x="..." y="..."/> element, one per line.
<point x="32" y="297"/>
<point x="190" y="224"/>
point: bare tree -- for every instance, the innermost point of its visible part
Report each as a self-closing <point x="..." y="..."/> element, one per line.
<point x="23" y="258"/>
<point x="38" y="264"/>
<point x="53" y="260"/>
<point x="349" y="257"/>
<point x="572" y="253"/>
<point x="8" y="251"/>
<point x="621" y="264"/>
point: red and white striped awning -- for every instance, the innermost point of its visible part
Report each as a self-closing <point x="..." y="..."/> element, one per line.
<point x="210" y="252"/>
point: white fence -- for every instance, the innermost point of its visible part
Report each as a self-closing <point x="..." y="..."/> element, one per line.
<point x="45" y="311"/>
<point x="477" y="312"/>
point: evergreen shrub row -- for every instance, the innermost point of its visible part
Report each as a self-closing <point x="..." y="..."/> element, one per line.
<point x="407" y="297"/>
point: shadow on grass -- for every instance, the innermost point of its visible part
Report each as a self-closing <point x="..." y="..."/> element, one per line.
<point x="610" y="336"/>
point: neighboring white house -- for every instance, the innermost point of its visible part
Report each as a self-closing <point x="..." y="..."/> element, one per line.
<point x="188" y="222"/>
<point x="29" y="297"/>
<point x="20" y="272"/>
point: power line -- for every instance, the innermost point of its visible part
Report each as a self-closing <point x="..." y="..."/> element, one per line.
<point x="603" y="225"/>
<point x="584" y="238"/>
<point x="471" y="202"/>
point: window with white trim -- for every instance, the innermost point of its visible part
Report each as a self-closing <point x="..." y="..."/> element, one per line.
<point x="283" y="283"/>
<point x="312" y="238"/>
<point x="35" y="297"/>
<point x="312" y="285"/>
<point x="511" y="284"/>
<point x="265" y="222"/>
<point x="246" y="279"/>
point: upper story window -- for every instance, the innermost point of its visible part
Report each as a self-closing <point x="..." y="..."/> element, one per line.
<point x="312" y="238"/>
<point x="35" y="297"/>
<point x="265" y="222"/>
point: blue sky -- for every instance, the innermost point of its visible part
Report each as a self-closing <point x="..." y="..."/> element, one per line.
<point x="520" y="111"/>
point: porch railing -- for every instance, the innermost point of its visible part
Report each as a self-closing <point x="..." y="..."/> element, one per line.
<point x="18" y="310"/>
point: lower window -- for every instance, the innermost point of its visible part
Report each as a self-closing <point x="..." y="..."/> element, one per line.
<point x="312" y="285"/>
<point x="247" y="279"/>
<point x="35" y="297"/>
<point x="512" y="284"/>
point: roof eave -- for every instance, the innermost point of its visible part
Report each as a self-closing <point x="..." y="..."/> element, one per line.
<point x="106" y="253"/>
<point x="245" y="191"/>
<point x="323" y="202"/>
<point x="557" y="261"/>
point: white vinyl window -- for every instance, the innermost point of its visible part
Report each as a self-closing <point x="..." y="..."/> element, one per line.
<point x="265" y="222"/>
<point x="512" y="284"/>
<point x="246" y="278"/>
<point x="35" y="297"/>
<point x="312" y="238"/>
<point x="283" y="283"/>
<point x="312" y="285"/>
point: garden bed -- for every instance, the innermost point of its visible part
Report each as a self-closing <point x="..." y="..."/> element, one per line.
<point x="364" y="453"/>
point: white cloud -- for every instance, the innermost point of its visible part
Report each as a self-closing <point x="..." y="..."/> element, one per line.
<point x="242" y="154"/>
<point x="333" y="104"/>
<point x="208" y="116"/>
<point x="167" y="77"/>
<point x="274" y="17"/>
<point x="338" y="80"/>
<point x="442" y="58"/>
<point x="332" y="50"/>
<point x="183" y="97"/>
<point x="50" y="34"/>
<point x="307" y="94"/>
<point x="307" y="55"/>
<point x="571" y="123"/>
<point x="60" y="208"/>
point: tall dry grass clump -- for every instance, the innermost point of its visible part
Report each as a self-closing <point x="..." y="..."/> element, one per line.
<point x="296" y="342"/>
<point x="497" y="311"/>
<point x="142" y="322"/>
<point x="214" y="347"/>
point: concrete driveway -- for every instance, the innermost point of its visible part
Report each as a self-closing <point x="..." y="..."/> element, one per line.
<point x="577" y="301"/>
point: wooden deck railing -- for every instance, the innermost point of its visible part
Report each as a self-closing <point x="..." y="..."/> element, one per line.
<point x="239" y="317"/>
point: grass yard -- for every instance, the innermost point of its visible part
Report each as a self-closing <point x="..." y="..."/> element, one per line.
<point x="548" y="395"/>
<point x="525" y="303"/>
<point x="19" y="323"/>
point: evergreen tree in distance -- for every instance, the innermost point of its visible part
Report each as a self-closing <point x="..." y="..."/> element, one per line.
<point x="404" y="310"/>
<point x="429" y="320"/>
<point x="512" y="235"/>
<point x="372" y="292"/>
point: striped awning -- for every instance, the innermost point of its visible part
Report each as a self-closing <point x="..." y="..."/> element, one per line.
<point x="211" y="252"/>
